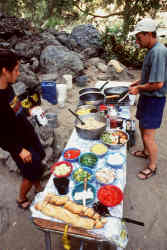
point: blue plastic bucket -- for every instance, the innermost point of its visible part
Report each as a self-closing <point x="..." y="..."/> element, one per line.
<point x="49" y="91"/>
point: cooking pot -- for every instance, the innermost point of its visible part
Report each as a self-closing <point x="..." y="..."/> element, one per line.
<point x="90" y="134"/>
<point x="92" y="98"/>
<point x="92" y="90"/>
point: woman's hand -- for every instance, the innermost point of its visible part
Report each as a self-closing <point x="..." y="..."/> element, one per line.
<point x="25" y="155"/>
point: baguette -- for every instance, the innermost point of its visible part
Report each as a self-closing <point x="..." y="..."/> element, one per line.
<point x="65" y="215"/>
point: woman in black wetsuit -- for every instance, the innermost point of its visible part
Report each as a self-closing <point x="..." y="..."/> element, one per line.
<point x="17" y="136"/>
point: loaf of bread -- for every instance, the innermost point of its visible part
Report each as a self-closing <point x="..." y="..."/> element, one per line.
<point x="72" y="206"/>
<point x="56" y="199"/>
<point x="63" y="214"/>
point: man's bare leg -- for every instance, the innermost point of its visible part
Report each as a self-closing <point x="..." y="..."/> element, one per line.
<point x="151" y="146"/>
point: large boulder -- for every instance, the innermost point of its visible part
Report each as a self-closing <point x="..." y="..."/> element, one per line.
<point x="60" y="59"/>
<point x="86" y="36"/>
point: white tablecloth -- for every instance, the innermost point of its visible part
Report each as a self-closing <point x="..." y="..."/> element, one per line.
<point x="84" y="146"/>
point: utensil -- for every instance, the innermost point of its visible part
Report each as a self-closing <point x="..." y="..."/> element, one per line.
<point x="120" y="100"/>
<point x="104" y="211"/>
<point x="92" y="98"/>
<point x="125" y="219"/>
<point x="92" y="90"/>
<point x="84" y="192"/>
<point x="83" y="123"/>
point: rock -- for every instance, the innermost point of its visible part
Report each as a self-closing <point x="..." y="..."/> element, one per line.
<point x="60" y="59"/>
<point x="81" y="80"/>
<point x="4" y="155"/>
<point x="102" y="67"/>
<point x="47" y="77"/>
<point x="10" y="163"/>
<point x="86" y="36"/>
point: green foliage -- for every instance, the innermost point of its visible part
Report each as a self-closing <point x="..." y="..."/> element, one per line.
<point x="117" y="48"/>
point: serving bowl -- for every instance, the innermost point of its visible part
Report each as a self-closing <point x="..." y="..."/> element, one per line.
<point x="81" y="173"/>
<point x="115" y="160"/>
<point x="110" y="195"/>
<point x="61" y="169"/>
<point x="99" y="149"/>
<point x="71" y="154"/>
<point x="94" y="126"/>
<point x="105" y="175"/>
<point x="88" y="160"/>
<point x="79" y="188"/>
<point x="114" y="138"/>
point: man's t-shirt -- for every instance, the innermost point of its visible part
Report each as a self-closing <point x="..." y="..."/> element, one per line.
<point x="154" y="69"/>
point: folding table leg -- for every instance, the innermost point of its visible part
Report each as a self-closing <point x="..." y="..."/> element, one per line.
<point x="100" y="246"/>
<point x="47" y="241"/>
<point x="82" y="245"/>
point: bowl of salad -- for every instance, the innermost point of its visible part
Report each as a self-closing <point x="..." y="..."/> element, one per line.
<point x="114" y="138"/>
<point x="88" y="160"/>
<point x="71" y="154"/>
<point x="81" y="173"/>
<point x="61" y="169"/>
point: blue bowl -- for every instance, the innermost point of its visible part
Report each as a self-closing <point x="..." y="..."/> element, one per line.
<point x="89" y="170"/>
<point x="115" y="165"/>
<point x="90" y="155"/>
<point x="79" y="188"/>
<point x="71" y="160"/>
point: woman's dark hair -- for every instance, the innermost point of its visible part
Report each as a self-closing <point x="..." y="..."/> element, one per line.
<point x="8" y="59"/>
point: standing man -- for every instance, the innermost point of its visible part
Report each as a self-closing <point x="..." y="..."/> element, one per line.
<point x="152" y="88"/>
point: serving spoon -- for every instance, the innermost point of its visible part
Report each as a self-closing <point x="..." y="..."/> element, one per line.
<point x="83" y="123"/>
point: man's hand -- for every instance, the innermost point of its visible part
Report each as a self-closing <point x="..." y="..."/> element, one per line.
<point x="25" y="155"/>
<point x="134" y="90"/>
<point x="135" y="83"/>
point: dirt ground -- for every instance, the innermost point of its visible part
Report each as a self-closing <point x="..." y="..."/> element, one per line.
<point x="143" y="200"/>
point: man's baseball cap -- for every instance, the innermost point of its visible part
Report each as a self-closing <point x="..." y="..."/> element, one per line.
<point x="145" y="25"/>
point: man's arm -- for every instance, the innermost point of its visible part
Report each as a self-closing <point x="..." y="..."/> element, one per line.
<point x="134" y="90"/>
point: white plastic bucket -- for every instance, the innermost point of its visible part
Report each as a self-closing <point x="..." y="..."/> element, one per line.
<point x="61" y="94"/>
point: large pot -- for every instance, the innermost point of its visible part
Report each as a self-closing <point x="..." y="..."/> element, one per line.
<point x="92" y="99"/>
<point x="90" y="134"/>
<point x="92" y="90"/>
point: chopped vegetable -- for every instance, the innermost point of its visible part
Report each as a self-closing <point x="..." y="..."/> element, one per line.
<point x="72" y="154"/>
<point x="88" y="159"/>
<point x="99" y="149"/>
<point x="62" y="170"/>
<point x="80" y="174"/>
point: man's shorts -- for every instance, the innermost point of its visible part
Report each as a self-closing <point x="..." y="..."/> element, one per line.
<point x="150" y="111"/>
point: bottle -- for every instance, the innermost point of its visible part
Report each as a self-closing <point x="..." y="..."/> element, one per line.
<point x="113" y="114"/>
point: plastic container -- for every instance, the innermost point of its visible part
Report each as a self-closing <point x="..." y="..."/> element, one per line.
<point x="89" y="170"/>
<point x="88" y="163"/>
<point x="58" y="164"/>
<point x="115" y="160"/>
<point x="61" y="94"/>
<point x="79" y="188"/>
<point x="70" y="158"/>
<point x="68" y="80"/>
<point x="61" y="184"/>
<point x="49" y="91"/>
